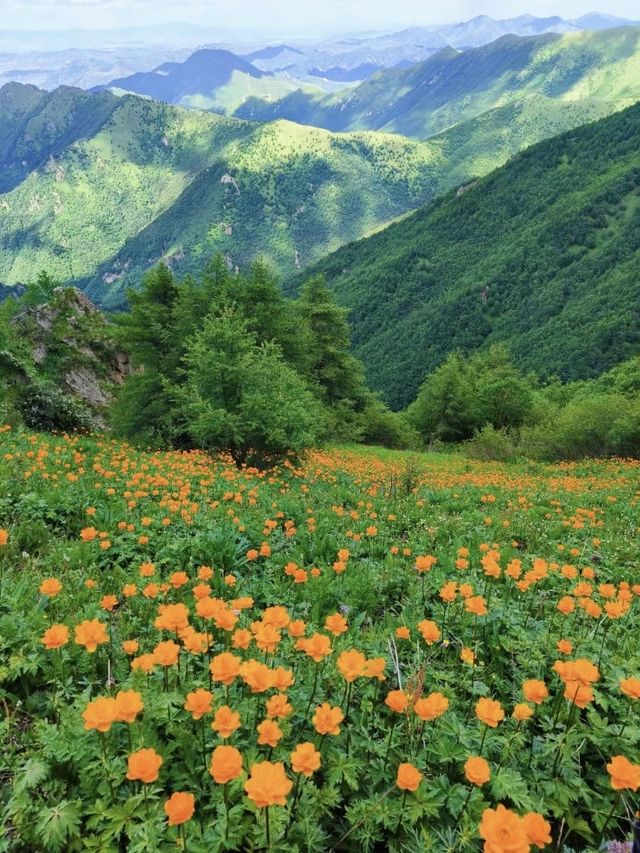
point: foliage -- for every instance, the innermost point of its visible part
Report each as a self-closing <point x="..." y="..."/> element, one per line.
<point x="541" y="256"/>
<point x="241" y="397"/>
<point x="447" y="592"/>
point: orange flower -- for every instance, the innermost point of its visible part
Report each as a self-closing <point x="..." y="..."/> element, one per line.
<point x="397" y="700"/>
<point x="431" y="707"/>
<point x="351" y="664"/>
<point x="256" y="675"/>
<point x="179" y="808"/>
<point x="318" y="646"/>
<point x="225" y="667"/>
<point x="631" y="687"/>
<point x="269" y="733"/>
<point x="477" y="605"/>
<point x="108" y="602"/>
<point x="625" y="776"/>
<point x="145" y="663"/>
<point x="327" y="719"/>
<point x="281" y="678"/>
<point x="172" y="617"/>
<point x="477" y="770"/>
<point x="305" y="759"/>
<point x="241" y="638"/>
<point x="128" y="705"/>
<point x="425" y="563"/>
<point x="489" y="712"/>
<point x="522" y="712"/>
<point x="468" y="656"/>
<point x="403" y="633"/>
<point x="225" y="721"/>
<point x="4" y="536"/>
<point x="374" y="668"/>
<point x="144" y="765"/>
<point x="565" y="647"/>
<point x="538" y="829"/>
<point x="50" y="587"/>
<point x="408" y="778"/>
<point x="535" y="691"/>
<point x="100" y="714"/>
<point x="198" y="703"/>
<point x="91" y="633"/>
<point x="336" y="624"/>
<point x="430" y="631"/>
<point x="503" y="831"/>
<point x="279" y="707"/>
<point x="166" y="653"/>
<point x="55" y="637"/>
<point x="268" y="785"/>
<point x="88" y="534"/>
<point x="276" y="616"/>
<point x="226" y="764"/>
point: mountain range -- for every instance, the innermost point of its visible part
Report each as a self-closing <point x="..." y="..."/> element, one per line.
<point x="542" y="255"/>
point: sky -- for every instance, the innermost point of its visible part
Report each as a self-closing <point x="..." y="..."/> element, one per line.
<point x="299" y="17"/>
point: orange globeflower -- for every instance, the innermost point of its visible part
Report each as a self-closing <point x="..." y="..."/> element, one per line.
<point x="55" y="637"/>
<point x="408" y="778"/>
<point x="535" y="691"/>
<point x="538" y="829"/>
<point x="128" y="705"/>
<point x="281" y="678"/>
<point x="326" y="719"/>
<point x="336" y="624"/>
<point x="397" y="700"/>
<point x="268" y="784"/>
<point x="256" y="675"/>
<point x="269" y="733"/>
<point x="431" y="707"/>
<point x="4" y="536"/>
<point x="630" y="687"/>
<point x="226" y="764"/>
<point x="100" y="714"/>
<point x="522" y="712"/>
<point x="503" y="831"/>
<point x="430" y="631"/>
<point x="625" y="776"/>
<point x="172" y="617"/>
<point x="318" y="646"/>
<point x="565" y="647"/>
<point x="305" y="759"/>
<point x="477" y="605"/>
<point x="145" y="663"/>
<point x="91" y="633"/>
<point x="468" y="656"/>
<point x="88" y="534"/>
<point x="425" y="563"/>
<point x="279" y="707"/>
<point x="144" y="765"/>
<point x="578" y="693"/>
<point x="179" y="808"/>
<point x="374" y="668"/>
<point x="477" y="770"/>
<point x="225" y="721"/>
<point x="403" y="633"/>
<point x="225" y="667"/>
<point x="166" y="653"/>
<point x="351" y="664"/>
<point x="108" y="602"/>
<point x="241" y="638"/>
<point x="50" y="587"/>
<point x="489" y="712"/>
<point x="198" y="703"/>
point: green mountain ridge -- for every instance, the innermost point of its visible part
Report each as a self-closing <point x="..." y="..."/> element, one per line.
<point x="542" y="255"/>
<point x="161" y="182"/>
<point x="453" y="87"/>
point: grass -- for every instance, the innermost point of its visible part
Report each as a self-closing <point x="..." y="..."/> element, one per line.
<point x="432" y="582"/>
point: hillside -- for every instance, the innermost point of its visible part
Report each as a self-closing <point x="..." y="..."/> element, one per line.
<point x="451" y="87"/>
<point x="208" y="79"/>
<point x="542" y="254"/>
<point x="157" y="181"/>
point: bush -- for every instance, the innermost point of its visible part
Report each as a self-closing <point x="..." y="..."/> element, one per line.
<point x="491" y="445"/>
<point x="43" y="406"/>
<point x="383" y="427"/>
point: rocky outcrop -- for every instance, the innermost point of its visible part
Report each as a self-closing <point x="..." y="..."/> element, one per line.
<point x="70" y="342"/>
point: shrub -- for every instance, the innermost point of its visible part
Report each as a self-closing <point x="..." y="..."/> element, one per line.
<point x="491" y="445"/>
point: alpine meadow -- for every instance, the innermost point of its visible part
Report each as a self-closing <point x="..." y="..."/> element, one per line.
<point x="319" y="427"/>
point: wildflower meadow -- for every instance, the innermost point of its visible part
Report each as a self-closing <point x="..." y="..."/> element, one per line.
<point x="362" y="650"/>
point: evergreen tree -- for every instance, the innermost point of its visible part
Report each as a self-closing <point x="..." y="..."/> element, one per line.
<point x="241" y="397"/>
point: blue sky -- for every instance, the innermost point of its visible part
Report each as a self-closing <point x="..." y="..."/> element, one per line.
<point x="302" y="17"/>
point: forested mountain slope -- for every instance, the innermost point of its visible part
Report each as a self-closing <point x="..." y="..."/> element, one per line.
<point x="543" y="254"/>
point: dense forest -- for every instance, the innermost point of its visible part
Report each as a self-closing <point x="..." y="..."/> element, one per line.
<point x="542" y="255"/>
